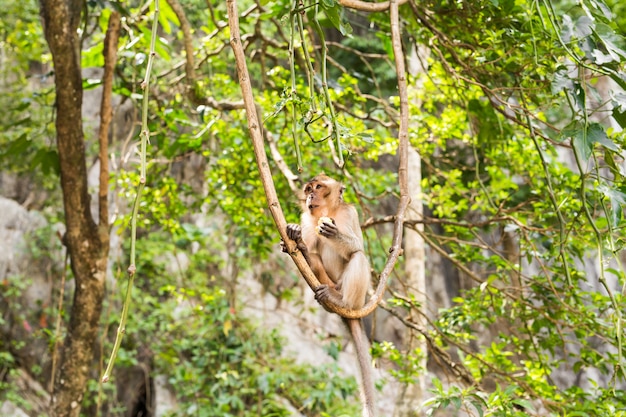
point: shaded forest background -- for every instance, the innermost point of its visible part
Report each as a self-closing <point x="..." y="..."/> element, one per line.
<point x="508" y="300"/>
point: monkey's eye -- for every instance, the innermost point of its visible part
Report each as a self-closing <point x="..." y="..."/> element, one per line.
<point x="318" y="186"/>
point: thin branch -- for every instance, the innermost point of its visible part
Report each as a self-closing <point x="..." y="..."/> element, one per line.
<point x="106" y="114"/>
<point x="187" y="42"/>
<point x="364" y="6"/>
<point x="254" y="128"/>
<point x="144" y="136"/>
<point x="57" y="326"/>
<point x="280" y="162"/>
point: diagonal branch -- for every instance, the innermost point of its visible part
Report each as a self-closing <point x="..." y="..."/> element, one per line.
<point x="268" y="183"/>
<point x="254" y="128"/>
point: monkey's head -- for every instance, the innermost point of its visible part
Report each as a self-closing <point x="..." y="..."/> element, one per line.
<point x="322" y="195"/>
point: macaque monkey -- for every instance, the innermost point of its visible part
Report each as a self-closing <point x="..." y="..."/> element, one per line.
<point x="331" y="241"/>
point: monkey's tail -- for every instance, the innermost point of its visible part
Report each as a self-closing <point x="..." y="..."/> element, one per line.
<point x="365" y="365"/>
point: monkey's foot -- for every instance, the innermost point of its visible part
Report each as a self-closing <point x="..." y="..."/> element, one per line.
<point x="325" y="294"/>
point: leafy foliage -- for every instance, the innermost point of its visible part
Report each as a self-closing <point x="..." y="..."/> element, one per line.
<point x="518" y="120"/>
<point x="218" y="362"/>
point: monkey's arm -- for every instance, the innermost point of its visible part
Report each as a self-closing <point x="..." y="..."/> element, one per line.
<point x="294" y="232"/>
<point x="345" y="232"/>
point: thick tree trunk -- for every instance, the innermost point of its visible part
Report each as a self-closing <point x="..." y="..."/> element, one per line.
<point x="86" y="242"/>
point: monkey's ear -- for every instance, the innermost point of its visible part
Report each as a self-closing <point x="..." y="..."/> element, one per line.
<point x="341" y="190"/>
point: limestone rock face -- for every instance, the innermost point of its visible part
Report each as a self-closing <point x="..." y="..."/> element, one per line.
<point x="28" y="250"/>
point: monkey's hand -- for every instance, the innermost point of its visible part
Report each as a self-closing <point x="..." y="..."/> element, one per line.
<point x="328" y="229"/>
<point x="294" y="232"/>
<point x="325" y="294"/>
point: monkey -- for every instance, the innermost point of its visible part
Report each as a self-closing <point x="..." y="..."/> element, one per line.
<point x="330" y="239"/>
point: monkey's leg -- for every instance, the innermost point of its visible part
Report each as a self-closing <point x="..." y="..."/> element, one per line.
<point x="315" y="262"/>
<point x="355" y="280"/>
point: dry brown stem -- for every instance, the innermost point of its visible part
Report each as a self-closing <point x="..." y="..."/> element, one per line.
<point x="266" y="175"/>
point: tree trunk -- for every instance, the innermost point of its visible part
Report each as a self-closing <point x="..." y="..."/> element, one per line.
<point x="86" y="243"/>
<point x="412" y="395"/>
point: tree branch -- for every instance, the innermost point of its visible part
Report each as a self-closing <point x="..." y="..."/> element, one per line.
<point x="187" y="42"/>
<point x="106" y="114"/>
<point x="259" y="149"/>
<point x="268" y="183"/>
<point x="364" y="6"/>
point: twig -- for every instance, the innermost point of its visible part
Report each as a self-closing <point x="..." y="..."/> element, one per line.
<point x="280" y="162"/>
<point x="144" y="135"/>
<point x="334" y="125"/>
<point x="190" y="70"/>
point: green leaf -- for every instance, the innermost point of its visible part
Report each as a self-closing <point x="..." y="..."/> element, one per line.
<point x="523" y="403"/>
<point x="617" y="76"/>
<point x="596" y="134"/>
<point x="18" y="146"/>
<point x="478" y="408"/>
<point x="579" y="94"/>
<point x="581" y="144"/>
<point x="584" y="138"/>
<point x="617" y="199"/>
<point x="333" y="11"/>
<point x="614" y="43"/>
<point x="562" y="82"/>
<point x="166" y="15"/>
<point x="457" y="402"/>
<point x="618" y="101"/>
<point x="18" y="122"/>
<point x="365" y="137"/>
<point x="93" y="57"/>
<point x="47" y="160"/>
<point x="605" y="12"/>
<point x="91" y="83"/>
<point x="615" y="168"/>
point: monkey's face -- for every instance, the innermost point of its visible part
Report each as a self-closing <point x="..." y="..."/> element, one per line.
<point x="316" y="193"/>
<point x="323" y="195"/>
